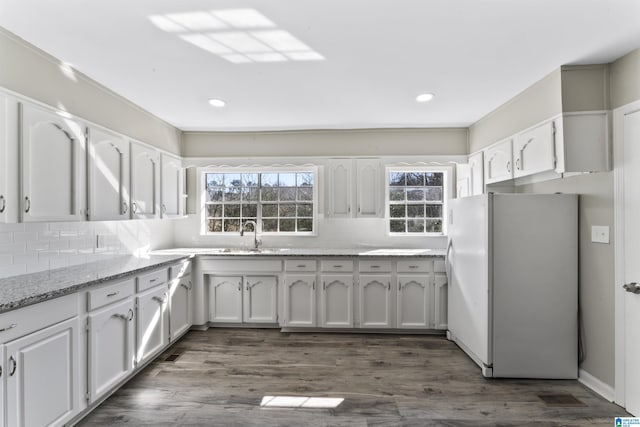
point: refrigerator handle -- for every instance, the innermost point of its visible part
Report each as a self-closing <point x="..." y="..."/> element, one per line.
<point x="447" y="260"/>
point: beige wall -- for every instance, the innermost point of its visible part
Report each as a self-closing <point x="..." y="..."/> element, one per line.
<point x="35" y="74"/>
<point x="585" y="88"/>
<point x="539" y="102"/>
<point x="328" y="143"/>
<point x="625" y="79"/>
<point x="596" y="267"/>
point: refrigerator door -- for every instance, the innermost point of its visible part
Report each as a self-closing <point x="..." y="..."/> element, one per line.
<point x="468" y="261"/>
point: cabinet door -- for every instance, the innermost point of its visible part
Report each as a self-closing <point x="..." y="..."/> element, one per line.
<point x="260" y="301"/>
<point x="225" y="299"/>
<point x="440" y="301"/>
<point x="8" y="159"/>
<point x="375" y="301"/>
<point x="53" y="160"/>
<point x="171" y="184"/>
<point x="152" y="323"/>
<point x="338" y="193"/>
<point x="476" y="173"/>
<point x="145" y="174"/>
<point x="413" y="301"/>
<point x="108" y="175"/>
<point x="534" y="150"/>
<point x="498" y="162"/>
<point x="369" y="189"/>
<point x="463" y="180"/>
<point x="111" y="346"/>
<point x="181" y="306"/>
<point x="336" y="301"/>
<point x="43" y="376"/>
<point x="300" y="300"/>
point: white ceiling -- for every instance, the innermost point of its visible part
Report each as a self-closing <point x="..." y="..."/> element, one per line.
<point x="378" y="55"/>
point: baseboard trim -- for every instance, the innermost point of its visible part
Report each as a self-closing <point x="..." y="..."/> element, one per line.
<point x="603" y="389"/>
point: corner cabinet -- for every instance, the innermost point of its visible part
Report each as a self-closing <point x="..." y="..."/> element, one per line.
<point x="145" y="181"/>
<point x="172" y="179"/>
<point x="53" y="166"/>
<point x="108" y="175"/>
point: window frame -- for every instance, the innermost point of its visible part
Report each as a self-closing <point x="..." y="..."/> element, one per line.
<point x="257" y="170"/>
<point x="447" y="195"/>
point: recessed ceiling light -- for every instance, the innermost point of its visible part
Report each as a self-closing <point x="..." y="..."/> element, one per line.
<point x="424" y="97"/>
<point x="217" y="102"/>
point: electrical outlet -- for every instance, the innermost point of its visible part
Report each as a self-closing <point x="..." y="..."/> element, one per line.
<point x="600" y="234"/>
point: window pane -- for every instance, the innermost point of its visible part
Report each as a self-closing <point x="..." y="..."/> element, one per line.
<point x="287" y="180"/>
<point x="288" y="194"/>
<point x="269" y="225"/>
<point x="249" y="211"/>
<point x="232" y="180"/>
<point x="397" y="226"/>
<point x="249" y="179"/>
<point x="415" y="211"/>
<point x="415" y="194"/>
<point x="287" y="210"/>
<point x="287" y="225"/>
<point x="215" y="225"/>
<point x="433" y="193"/>
<point x="214" y="210"/>
<point x="434" y="226"/>
<point x="305" y="224"/>
<point x="397" y="211"/>
<point x="232" y="210"/>
<point x="232" y="194"/>
<point x="397" y="178"/>
<point x="215" y="180"/>
<point x="396" y="194"/>
<point x="434" y="178"/>
<point x="231" y="225"/>
<point x="304" y="179"/>
<point x="305" y="209"/>
<point x="415" y="226"/>
<point x="214" y="194"/>
<point x="269" y="210"/>
<point x="415" y="178"/>
<point x="250" y="194"/>
<point x="305" y="193"/>
<point x="433" y="211"/>
<point x="269" y="179"/>
<point x="269" y="194"/>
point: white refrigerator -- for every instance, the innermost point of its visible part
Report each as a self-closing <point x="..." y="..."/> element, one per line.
<point x="512" y="262"/>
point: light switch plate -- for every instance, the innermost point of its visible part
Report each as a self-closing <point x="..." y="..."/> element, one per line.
<point x="600" y="234"/>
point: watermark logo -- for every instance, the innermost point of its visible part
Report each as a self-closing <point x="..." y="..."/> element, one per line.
<point x="626" y="421"/>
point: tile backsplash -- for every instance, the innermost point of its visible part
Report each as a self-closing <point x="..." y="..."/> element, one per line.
<point x="32" y="247"/>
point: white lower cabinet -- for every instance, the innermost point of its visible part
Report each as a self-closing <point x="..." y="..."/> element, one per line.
<point x="375" y="301"/>
<point x="414" y="301"/>
<point x="42" y="376"/>
<point x="181" y="306"/>
<point x="111" y="346"/>
<point x="300" y="300"/>
<point x="152" y="322"/>
<point x="248" y="299"/>
<point x="337" y="301"/>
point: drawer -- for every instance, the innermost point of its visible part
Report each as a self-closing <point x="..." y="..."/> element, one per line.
<point x="414" y="266"/>
<point x="300" y="265"/>
<point x="23" y="321"/>
<point x="253" y="265"/>
<point x="373" y="266"/>
<point x="107" y="294"/>
<point x="180" y="270"/>
<point x="152" y="279"/>
<point x="337" y="265"/>
<point x="439" y="266"/>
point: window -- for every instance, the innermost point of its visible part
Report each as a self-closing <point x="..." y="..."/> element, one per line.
<point x="416" y="200"/>
<point x="278" y="201"/>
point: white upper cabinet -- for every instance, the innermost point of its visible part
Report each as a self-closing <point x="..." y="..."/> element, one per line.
<point x="498" y="162"/>
<point x="338" y="188"/>
<point x="534" y="150"/>
<point x="476" y="172"/>
<point x="171" y="184"/>
<point x="463" y="180"/>
<point x="369" y="190"/>
<point x="53" y="166"/>
<point x="145" y="180"/>
<point x="108" y="175"/>
<point x="8" y="159"/>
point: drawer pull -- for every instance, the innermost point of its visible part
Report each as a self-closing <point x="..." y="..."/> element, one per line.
<point x="113" y="294"/>
<point x="338" y="266"/>
<point x="14" y="365"/>
<point x="153" y="280"/>
<point x="413" y="266"/>
<point x="375" y="266"/>
<point x="11" y="326"/>
<point x="301" y="266"/>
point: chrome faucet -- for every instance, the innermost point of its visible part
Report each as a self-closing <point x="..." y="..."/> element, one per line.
<point x="256" y="242"/>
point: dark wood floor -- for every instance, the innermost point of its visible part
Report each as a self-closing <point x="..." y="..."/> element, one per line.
<point x="220" y="376"/>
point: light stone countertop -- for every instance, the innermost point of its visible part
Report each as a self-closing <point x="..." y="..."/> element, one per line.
<point x="23" y="290"/>
<point x="26" y="289"/>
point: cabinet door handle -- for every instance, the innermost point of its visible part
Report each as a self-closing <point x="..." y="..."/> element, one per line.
<point x="239" y="286"/>
<point x="125" y="207"/>
<point x="27" y="205"/>
<point x="313" y="285"/>
<point x="164" y="208"/>
<point x="190" y="285"/>
<point x="324" y="285"/>
<point x="399" y="286"/>
<point x="4" y="203"/>
<point x="134" y="207"/>
<point x="11" y="326"/>
<point x="389" y="286"/>
<point x="130" y="315"/>
<point x="13" y="365"/>
<point x="509" y="167"/>
<point x="518" y="163"/>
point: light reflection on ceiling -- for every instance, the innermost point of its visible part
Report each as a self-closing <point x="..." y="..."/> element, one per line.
<point x="240" y="36"/>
